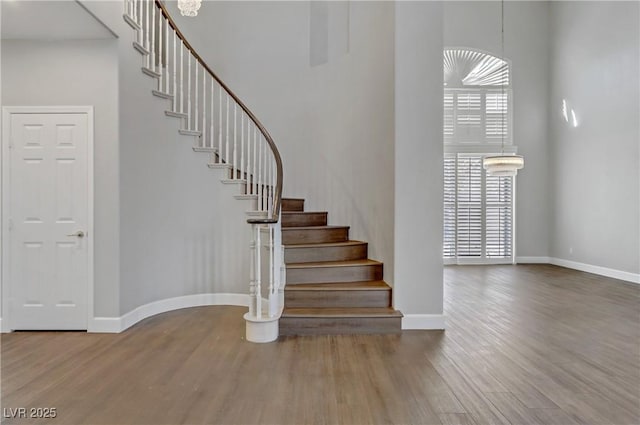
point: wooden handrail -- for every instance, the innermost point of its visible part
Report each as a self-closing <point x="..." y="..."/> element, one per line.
<point x="277" y="197"/>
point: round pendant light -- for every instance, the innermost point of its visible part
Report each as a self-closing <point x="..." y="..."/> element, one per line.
<point x="502" y="165"/>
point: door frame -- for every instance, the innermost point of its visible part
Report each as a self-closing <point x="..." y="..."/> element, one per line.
<point x="5" y="208"/>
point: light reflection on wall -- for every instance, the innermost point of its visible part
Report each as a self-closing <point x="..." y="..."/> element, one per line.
<point x="565" y="114"/>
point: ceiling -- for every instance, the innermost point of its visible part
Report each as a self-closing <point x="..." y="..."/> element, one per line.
<point x="49" y="20"/>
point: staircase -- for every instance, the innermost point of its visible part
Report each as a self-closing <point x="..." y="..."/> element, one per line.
<point x="332" y="287"/>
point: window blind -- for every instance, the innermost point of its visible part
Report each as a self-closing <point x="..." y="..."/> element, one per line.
<point x="478" y="211"/>
<point x="477" y="116"/>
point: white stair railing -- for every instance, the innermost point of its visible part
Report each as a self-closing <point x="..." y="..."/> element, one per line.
<point x="235" y="139"/>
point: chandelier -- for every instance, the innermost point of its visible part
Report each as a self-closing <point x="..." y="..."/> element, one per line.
<point x="503" y="165"/>
<point x="189" y="7"/>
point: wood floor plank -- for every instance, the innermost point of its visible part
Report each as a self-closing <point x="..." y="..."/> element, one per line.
<point x="524" y="344"/>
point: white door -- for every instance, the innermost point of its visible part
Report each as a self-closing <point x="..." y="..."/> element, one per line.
<point x="48" y="212"/>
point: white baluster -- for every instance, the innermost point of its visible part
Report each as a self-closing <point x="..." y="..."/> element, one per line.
<point x="249" y="176"/>
<point x="147" y="32"/>
<point x="258" y="273"/>
<point x="212" y="115"/>
<point x="197" y="63"/>
<point x="242" y="167"/>
<point x="153" y="36"/>
<point x="166" y="55"/>
<point x="175" y="92"/>
<point x="189" y="90"/>
<point x="272" y="309"/>
<point x="138" y="12"/>
<point x="235" y="140"/>
<point x="159" y="60"/>
<point x="226" y="158"/>
<point x="203" y="141"/>
<point x="252" y="271"/>
<point x="219" y="123"/>
<point x="181" y="76"/>
<point x="270" y="192"/>
<point x="260" y="175"/>
<point x="255" y="159"/>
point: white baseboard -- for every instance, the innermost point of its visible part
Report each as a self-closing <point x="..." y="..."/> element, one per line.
<point x="119" y="324"/>
<point x="423" y="321"/>
<point x="602" y="271"/>
<point x="533" y="260"/>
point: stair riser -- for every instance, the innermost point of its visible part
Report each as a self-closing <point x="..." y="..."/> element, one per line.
<point x="304" y="219"/>
<point x="294" y="236"/>
<point x="333" y="253"/>
<point x="293" y="205"/>
<point x="334" y="274"/>
<point x="337" y="326"/>
<point x="346" y="299"/>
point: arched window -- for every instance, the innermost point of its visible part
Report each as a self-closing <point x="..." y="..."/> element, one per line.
<point x="477" y="98"/>
<point x="478" y="208"/>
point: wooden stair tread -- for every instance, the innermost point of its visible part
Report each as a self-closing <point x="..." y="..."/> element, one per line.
<point x="379" y="285"/>
<point x="325" y="244"/>
<point x="304" y="212"/>
<point x="321" y="264"/>
<point x="324" y="312"/>
<point x="295" y="229"/>
<point x="293" y="199"/>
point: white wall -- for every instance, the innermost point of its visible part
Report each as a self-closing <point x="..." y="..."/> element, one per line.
<point x="418" y="290"/>
<point x="181" y="230"/>
<point x="476" y="24"/>
<point x="332" y="122"/>
<point x="80" y="72"/>
<point x="595" y="67"/>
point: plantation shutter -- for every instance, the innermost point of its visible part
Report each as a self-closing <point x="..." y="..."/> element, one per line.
<point x="498" y="217"/>
<point x="496" y="110"/>
<point x="448" y="114"/>
<point x="468" y="114"/>
<point x="476" y="116"/>
<point x="478" y="211"/>
<point x="469" y="206"/>
<point x="449" y="238"/>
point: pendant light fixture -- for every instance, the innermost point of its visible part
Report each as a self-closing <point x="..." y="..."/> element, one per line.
<point x="503" y="165"/>
<point x="189" y="7"/>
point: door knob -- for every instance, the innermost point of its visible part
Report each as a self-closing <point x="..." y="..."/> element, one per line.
<point x="78" y="234"/>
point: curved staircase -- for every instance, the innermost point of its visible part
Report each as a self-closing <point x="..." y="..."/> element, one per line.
<point x="332" y="287"/>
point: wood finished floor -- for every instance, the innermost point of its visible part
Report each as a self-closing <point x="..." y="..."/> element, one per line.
<point x="524" y="345"/>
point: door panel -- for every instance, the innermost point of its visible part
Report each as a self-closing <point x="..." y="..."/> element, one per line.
<point x="48" y="204"/>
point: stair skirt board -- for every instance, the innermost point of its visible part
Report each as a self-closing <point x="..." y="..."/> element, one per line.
<point x="122" y="323"/>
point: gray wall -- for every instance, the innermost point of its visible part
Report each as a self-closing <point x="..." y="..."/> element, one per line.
<point x="595" y="68"/>
<point x="418" y="156"/>
<point x="80" y="72"/>
<point x="181" y="230"/>
<point x="477" y="25"/>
